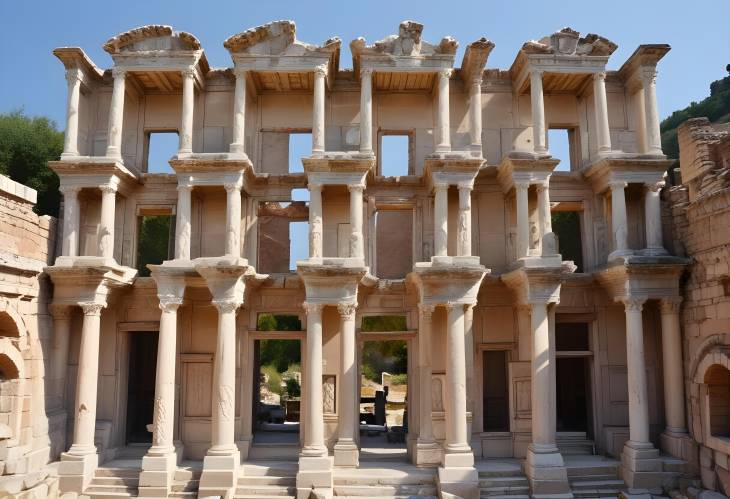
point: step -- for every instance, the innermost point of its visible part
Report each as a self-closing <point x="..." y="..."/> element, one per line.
<point x="517" y="496"/>
<point x="123" y="481"/>
<point x="277" y="469"/>
<point x="576" y="448"/>
<point x="266" y="490"/>
<point x="598" y="484"/>
<point x="592" y="478"/>
<point x="370" y="477"/>
<point x="190" y="486"/>
<point x="256" y="496"/>
<point x="503" y="481"/>
<point x="117" y="472"/>
<point x="289" y="481"/>
<point x="384" y="490"/>
<point x="592" y="469"/>
<point x="505" y="491"/>
<point x="185" y="474"/>
<point x="389" y="497"/>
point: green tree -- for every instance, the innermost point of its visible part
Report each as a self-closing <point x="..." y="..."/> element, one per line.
<point x="27" y="144"/>
<point x="280" y="353"/>
<point x="154" y="242"/>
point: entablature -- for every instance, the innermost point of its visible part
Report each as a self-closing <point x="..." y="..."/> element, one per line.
<point x="603" y="173"/>
<point x="512" y="171"/>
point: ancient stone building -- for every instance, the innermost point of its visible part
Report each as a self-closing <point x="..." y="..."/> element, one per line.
<point x="536" y="294"/>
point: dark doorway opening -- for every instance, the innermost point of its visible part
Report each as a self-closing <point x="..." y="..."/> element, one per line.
<point x="141" y="386"/>
<point x="496" y="391"/>
<point x="573" y="394"/>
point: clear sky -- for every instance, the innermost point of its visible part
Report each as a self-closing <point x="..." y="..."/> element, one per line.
<point x="32" y="79"/>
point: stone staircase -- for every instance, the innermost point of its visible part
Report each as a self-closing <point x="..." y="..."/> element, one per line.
<point x="113" y="483"/>
<point x="594" y="476"/>
<point x="574" y="443"/>
<point x="185" y="482"/>
<point x="397" y="480"/>
<point x="267" y="480"/>
<point x="502" y="480"/>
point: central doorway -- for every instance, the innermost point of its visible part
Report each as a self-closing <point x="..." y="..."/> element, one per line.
<point x="573" y="381"/>
<point x="141" y="386"/>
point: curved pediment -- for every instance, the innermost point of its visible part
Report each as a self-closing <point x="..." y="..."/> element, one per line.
<point x="567" y="41"/>
<point x="152" y="37"/>
<point x="408" y="42"/>
<point x="274" y="39"/>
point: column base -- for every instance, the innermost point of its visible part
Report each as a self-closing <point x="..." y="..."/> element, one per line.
<point x="458" y="476"/>
<point x="157" y="474"/>
<point x="641" y="468"/>
<point x="315" y="472"/>
<point x="76" y="471"/>
<point x="427" y="454"/>
<point x="244" y="447"/>
<point x="545" y="469"/>
<point x="614" y="255"/>
<point x="654" y="252"/>
<point x="678" y="444"/>
<point x="220" y="474"/>
<point x="346" y="454"/>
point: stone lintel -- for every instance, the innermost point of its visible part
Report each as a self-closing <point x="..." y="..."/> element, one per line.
<point x="339" y="162"/>
<point x="225" y="276"/>
<point x="648" y="277"/>
<point x="524" y="167"/>
<point x="330" y="285"/>
<point x="626" y="168"/>
<point x="537" y="284"/>
<point x="439" y="283"/>
<point x="93" y="171"/>
<point x="87" y="279"/>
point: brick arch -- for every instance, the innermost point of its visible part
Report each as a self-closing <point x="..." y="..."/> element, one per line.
<point x="715" y="357"/>
<point x="12" y="324"/>
<point x="12" y="369"/>
<point x="706" y="346"/>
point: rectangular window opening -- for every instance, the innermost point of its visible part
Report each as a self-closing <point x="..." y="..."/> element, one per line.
<point x="394" y="243"/>
<point x="161" y="146"/>
<point x="561" y="145"/>
<point x="278" y="322"/>
<point x="572" y="337"/>
<point x="154" y="241"/>
<point x="384" y="323"/>
<point x="566" y="225"/>
<point x="394" y="154"/>
<point x="283" y="235"/>
<point x="495" y="391"/>
<point x="300" y="145"/>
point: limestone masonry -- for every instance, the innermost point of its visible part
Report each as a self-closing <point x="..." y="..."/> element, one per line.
<point x="567" y="327"/>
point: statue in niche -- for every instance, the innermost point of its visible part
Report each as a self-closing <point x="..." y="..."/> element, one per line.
<point x="437" y="402"/>
<point x="328" y="393"/>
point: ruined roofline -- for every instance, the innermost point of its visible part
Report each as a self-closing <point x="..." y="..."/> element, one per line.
<point x="283" y="32"/>
<point x="118" y="42"/>
<point x="76" y="58"/>
<point x="644" y="55"/>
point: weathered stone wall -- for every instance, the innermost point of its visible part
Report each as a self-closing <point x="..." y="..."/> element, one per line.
<point x="32" y="425"/>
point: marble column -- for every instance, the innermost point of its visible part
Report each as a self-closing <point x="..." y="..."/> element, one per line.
<point x="538" y="112"/>
<point x="70" y="246"/>
<point x="233" y="219"/>
<point x="457" y="441"/>
<point x="239" y="114"/>
<point x="636" y="371"/>
<point x="71" y="136"/>
<point x="357" y="249"/>
<point x="640" y="114"/>
<point x="475" y="115"/>
<point x="673" y="367"/>
<point x="224" y="379"/>
<point x="59" y="363"/>
<point x="106" y="223"/>
<point x="442" y="117"/>
<point x="653" y="219"/>
<point x="315" y="221"/>
<point x="653" y="133"/>
<point x="441" y="220"/>
<point x="346" y="450"/>
<point x="523" y="219"/>
<point x="366" y="111"/>
<point x="469" y="365"/>
<point x="318" y="147"/>
<point x="544" y="214"/>
<point x="116" y="115"/>
<point x="188" y="105"/>
<point x="314" y="418"/>
<point x="183" y="227"/>
<point x="619" y="222"/>
<point x="543" y="381"/>
<point x="463" y="236"/>
<point x="427" y="450"/>
<point x="600" y="106"/>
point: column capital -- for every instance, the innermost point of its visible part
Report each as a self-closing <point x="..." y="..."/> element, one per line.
<point x="320" y="70"/>
<point x="617" y="184"/>
<point x="440" y="185"/>
<point x="366" y="72"/>
<point x="347" y="310"/>
<point x="599" y="76"/>
<point x="454" y="305"/>
<point x="60" y="311"/>
<point x="91" y="308"/>
<point x="670" y="305"/>
<point x="74" y="75"/>
<point x="188" y="72"/>
<point x="184" y="187"/>
<point x="355" y="187"/>
<point x="226" y="306"/>
<point x="654" y="186"/>
<point x="426" y="310"/>
<point x="633" y="304"/>
<point x="446" y="73"/>
<point x="69" y="190"/>
<point x="542" y="185"/>
<point x="170" y="303"/>
<point x="108" y="188"/>
<point x="468" y="185"/>
<point x="315" y="187"/>
<point x="312" y="307"/>
<point x="476" y="79"/>
<point x="119" y="73"/>
<point x="522" y="184"/>
<point x="536" y="73"/>
<point x="232" y="186"/>
<point x="647" y="75"/>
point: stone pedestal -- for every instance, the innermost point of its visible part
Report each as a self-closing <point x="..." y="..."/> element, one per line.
<point x="220" y="473"/>
<point x="641" y="468"/>
<point x="315" y="472"/>
<point x="155" y="480"/>
<point x="458" y="476"/>
<point x="76" y="471"/>
<point x="546" y="472"/>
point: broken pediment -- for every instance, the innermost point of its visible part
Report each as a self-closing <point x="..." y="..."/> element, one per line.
<point x="153" y="37"/>
<point x="567" y="41"/>
<point x="408" y="42"/>
<point x="276" y="38"/>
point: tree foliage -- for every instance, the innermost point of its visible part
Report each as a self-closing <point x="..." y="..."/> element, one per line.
<point x="153" y="246"/>
<point x="280" y="353"/>
<point x="384" y="356"/>
<point x="26" y="146"/>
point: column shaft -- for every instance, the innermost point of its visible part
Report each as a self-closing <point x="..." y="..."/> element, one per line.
<point x="441" y="222"/>
<point x="239" y="114"/>
<point x="163" y="418"/>
<point x="636" y="370"/>
<point x="523" y="222"/>
<point x="464" y="231"/>
<point x="320" y="73"/>
<point x="456" y="427"/>
<point x="640" y="113"/>
<point x="618" y="217"/>
<point x="71" y="137"/>
<point x="106" y="224"/>
<point x="653" y="219"/>
<point x="188" y="104"/>
<point x="357" y="249"/>
<point x="673" y="367"/>
<point x="538" y="113"/>
<point x="224" y="381"/>
<point x="314" y="434"/>
<point x="475" y="116"/>
<point x="543" y="208"/>
<point x="86" y="383"/>
<point x="59" y="364"/>
<point x="543" y="380"/>
<point x="442" y="118"/>
<point x="653" y="133"/>
<point x="366" y="111"/>
<point x="600" y="104"/>
<point x="183" y="227"/>
<point x="233" y="220"/>
<point x="348" y="421"/>
<point x="116" y="116"/>
<point x="425" y="430"/>
<point x="315" y="221"/>
<point x="70" y="245"/>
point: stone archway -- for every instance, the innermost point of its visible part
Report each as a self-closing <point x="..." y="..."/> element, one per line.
<point x="713" y="377"/>
<point x="12" y="376"/>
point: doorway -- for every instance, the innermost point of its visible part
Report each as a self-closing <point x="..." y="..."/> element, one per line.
<point x="141" y="386"/>
<point x="571" y="380"/>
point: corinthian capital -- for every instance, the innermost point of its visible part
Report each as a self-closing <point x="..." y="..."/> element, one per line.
<point x="320" y="70"/>
<point x="347" y="310"/>
<point x="108" y="188"/>
<point x="366" y="72"/>
<point x="170" y="303"/>
<point x="670" y="305"/>
<point x="226" y="306"/>
<point x="446" y="73"/>
<point x="312" y="308"/>
<point x="634" y="304"/>
<point x="91" y="308"/>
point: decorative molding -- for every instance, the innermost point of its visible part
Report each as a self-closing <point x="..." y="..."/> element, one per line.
<point x="91" y="308"/>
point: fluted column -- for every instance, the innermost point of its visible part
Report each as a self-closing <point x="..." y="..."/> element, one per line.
<point x="70" y="246"/>
<point x="315" y="221"/>
<point x="59" y="362"/>
<point x="457" y="440"/>
<point x="475" y="115"/>
<point x="183" y="228"/>
<point x="106" y="224"/>
<point x="543" y="381"/>
<point x="523" y="221"/>
<point x="636" y="371"/>
<point x="600" y="103"/>
<point x="463" y="236"/>
<point x="71" y="137"/>
<point x="116" y="115"/>
<point x="442" y="117"/>
<point x="357" y="249"/>
<point x="224" y="381"/>
<point x="441" y="221"/>
<point x="320" y="73"/>
<point x="314" y="417"/>
<point x="346" y="451"/>
<point x="673" y="367"/>
<point x="233" y="219"/>
<point x="86" y="383"/>
<point x="653" y="133"/>
<point x="188" y="105"/>
<point x="366" y="111"/>
<point x="538" y="112"/>
<point x="619" y="222"/>
<point x="239" y="114"/>
<point x="653" y="219"/>
<point x="640" y="114"/>
<point x="543" y="211"/>
<point x="425" y="430"/>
